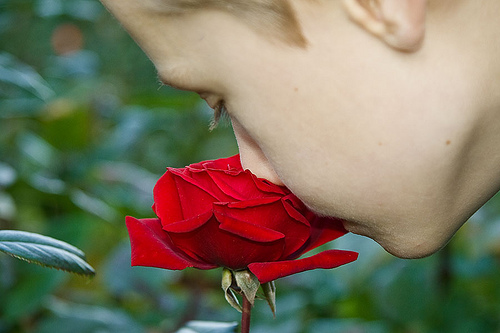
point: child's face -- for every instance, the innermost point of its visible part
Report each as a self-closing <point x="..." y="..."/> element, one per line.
<point x="338" y="122"/>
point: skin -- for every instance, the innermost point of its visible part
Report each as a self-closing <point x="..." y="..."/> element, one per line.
<point x="389" y="118"/>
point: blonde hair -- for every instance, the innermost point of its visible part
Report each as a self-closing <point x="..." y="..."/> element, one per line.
<point x="274" y="18"/>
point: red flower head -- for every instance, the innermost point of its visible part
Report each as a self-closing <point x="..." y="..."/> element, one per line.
<point x="215" y="214"/>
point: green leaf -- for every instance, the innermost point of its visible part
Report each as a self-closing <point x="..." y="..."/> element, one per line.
<point x="44" y="251"/>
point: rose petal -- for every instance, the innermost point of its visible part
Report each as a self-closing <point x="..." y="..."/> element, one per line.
<point x="265" y="213"/>
<point x="292" y="211"/>
<point x="152" y="247"/>
<point x="201" y="181"/>
<point x="188" y="224"/>
<point x="252" y="202"/>
<point x="247" y="230"/>
<point x="225" y="249"/>
<point x="239" y="187"/>
<point x="167" y="205"/>
<point x="323" y="230"/>
<point x="232" y="163"/>
<point x="270" y="271"/>
<point x="229" y="176"/>
<point x="266" y="186"/>
<point x="196" y="198"/>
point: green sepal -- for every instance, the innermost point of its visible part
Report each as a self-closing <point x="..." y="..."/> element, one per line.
<point x="227" y="282"/>
<point x="248" y="283"/>
<point x="269" y="290"/>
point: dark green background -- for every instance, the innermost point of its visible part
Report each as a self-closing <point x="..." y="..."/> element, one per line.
<point x="83" y="138"/>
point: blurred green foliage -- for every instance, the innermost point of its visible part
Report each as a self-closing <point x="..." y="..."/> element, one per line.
<point x="85" y="132"/>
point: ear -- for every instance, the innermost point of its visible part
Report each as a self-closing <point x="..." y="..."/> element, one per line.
<point x="399" y="23"/>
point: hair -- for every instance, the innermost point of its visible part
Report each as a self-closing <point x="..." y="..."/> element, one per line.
<point x="273" y="18"/>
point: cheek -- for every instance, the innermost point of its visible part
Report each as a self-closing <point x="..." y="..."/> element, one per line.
<point x="276" y="113"/>
<point x="273" y="140"/>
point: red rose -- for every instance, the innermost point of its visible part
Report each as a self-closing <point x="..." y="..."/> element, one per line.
<point x="215" y="214"/>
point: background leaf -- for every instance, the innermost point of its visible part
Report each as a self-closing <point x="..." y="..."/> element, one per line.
<point x="75" y="318"/>
<point x="208" y="327"/>
<point x="44" y="251"/>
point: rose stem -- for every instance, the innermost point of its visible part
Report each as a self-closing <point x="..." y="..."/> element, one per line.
<point x="245" y="315"/>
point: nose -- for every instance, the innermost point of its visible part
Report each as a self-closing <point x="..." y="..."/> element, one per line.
<point x="252" y="157"/>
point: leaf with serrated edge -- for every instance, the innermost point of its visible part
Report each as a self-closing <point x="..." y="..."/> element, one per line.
<point x="44" y="251"/>
<point x="227" y="281"/>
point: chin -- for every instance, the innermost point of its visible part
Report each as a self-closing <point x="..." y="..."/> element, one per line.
<point x="402" y="239"/>
<point x="410" y="250"/>
<point x="402" y="246"/>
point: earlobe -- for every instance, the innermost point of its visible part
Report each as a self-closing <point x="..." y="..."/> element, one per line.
<point x="398" y="23"/>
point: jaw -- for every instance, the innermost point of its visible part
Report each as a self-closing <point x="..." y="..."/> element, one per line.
<point x="408" y="240"/>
